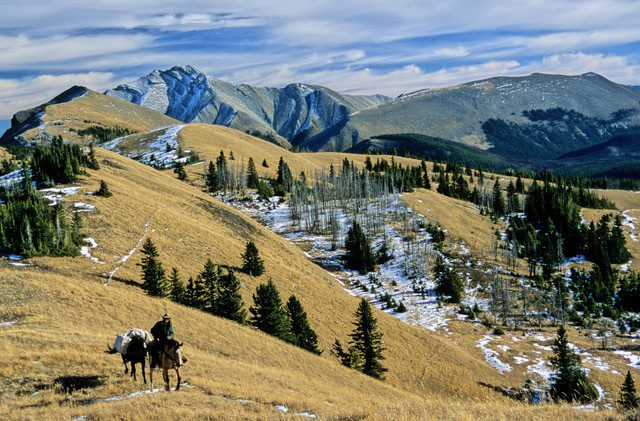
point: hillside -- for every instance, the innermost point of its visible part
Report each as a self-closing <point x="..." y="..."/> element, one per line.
<point x="288" y="114"/>
<point x="459" y="112"/>
<point x="67" y="311"/>
<point x="79" y="109"/>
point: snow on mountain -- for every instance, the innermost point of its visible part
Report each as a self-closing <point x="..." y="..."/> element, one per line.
<point x="296" y="110"/>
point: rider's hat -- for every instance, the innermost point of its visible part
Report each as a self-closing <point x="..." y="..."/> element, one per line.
<point x="166" y="316"/>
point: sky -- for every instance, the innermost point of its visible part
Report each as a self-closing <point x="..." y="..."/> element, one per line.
<point x="362" y="47"/>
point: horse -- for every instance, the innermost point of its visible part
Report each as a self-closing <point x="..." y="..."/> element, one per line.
<point x="136" y="354"/>
<point x="170" y="357"/>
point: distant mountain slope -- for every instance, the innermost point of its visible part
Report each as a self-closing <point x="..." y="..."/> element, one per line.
<point x="78" y="109"/>
<point x="458" y="113"/>
<point x="295" y="111"/>
<point x="432" y="149"/>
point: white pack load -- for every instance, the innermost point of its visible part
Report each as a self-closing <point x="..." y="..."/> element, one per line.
<point x="122" y="341"/>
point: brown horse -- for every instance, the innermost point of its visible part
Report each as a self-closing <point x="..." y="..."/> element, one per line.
<point x="170" y="357"/>
<point x="136" y="353"/>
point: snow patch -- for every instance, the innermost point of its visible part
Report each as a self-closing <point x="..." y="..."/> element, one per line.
<point x="86" y="250"/>
<point x="492" y="356"/>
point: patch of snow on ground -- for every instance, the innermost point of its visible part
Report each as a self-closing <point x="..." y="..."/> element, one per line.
<point x="629" y="222"/>
<point x="86" y="250"/>
<point x="542" y="368"/>
<point x="130" y="253"/>
<point x="10" y="323"/>
<point x="161" y="151"/>
<point x="11" y="178"/>
<point x="492" y="356"/>
<point x="135" y="394"/>
<point x="83" y="207"/>
<point x="634" y="359"/>
<point x="55" y="195"/>
<point x="422" y="310"/>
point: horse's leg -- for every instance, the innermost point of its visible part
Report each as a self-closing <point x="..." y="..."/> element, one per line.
<point x="165" y="374"/>
<point x="178" y="375"/>
<point x="144" y="376"/>
<point x="126" y="367"/>
<point x="133" y="369"/>
<point x="150" y="378"/>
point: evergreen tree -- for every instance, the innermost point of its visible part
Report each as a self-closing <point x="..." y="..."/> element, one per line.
<point x="448" y="282"/>
<point x="367" y="341"/>
<point x="196" y="295"/>
<point x="211" y="178"/>
<point x="229" y="302"/>
<point x="359" y="255"/>
<point x="92" y="161"/>
<point x="178" y="168"/>
<point x="252" y="263"/>
<point x="498" y="204"/>
<point x="628" y="396"/>
<point x="210" y="277"/>
<point x="350" y="358"/>
<point x="178" y="291"/>
<point x="252" y="175"/>
<point x="103" y="191"/>
<point x="569" y="381"/>
<point x="303" y="334"/>
<point x="153" y="276"/>
<point x="267" y="313"/>
<point x="284" y="181"/>
<point x="617" y="246"/>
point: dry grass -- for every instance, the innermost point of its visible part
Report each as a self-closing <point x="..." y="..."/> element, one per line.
<point x="94" y="109"/>
<point x="66" y="317"/>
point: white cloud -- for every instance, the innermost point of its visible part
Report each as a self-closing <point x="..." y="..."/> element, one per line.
<point x="18" y="94"/>
<point x="21" y="51"/>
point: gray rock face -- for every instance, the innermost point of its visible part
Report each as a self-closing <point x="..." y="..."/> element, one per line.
<point x="295" y="112"/>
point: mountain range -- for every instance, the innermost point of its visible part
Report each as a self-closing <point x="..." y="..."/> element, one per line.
<point x="526" y="121"/>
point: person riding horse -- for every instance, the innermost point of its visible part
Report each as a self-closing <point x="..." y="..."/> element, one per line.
<point x="162" y="332"/>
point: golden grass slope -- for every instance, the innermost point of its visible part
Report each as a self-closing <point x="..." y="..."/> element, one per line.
<point x="95" y="109"/>
<point x="66" y="316"/>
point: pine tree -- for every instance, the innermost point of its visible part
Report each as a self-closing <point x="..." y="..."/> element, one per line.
<point x="617" y="247"/>
<point x="103" y="191"/>
<point x="448" y="282"/>
<point x="252" y="263"/>
<point x="359" y="254"/>
<point x="229" y="302"/>
<point x="368" y="341"/>
<point x="267" y="313"/>
<point x="211" y="178"/>
<point x="178" y="292"/>
<point x="303" y="334"/>
<point x="196" y="293"/>
<point x="92" y="161"/>
<point x="628" y="396"/>
<point x="349" y="358"/>
<point x="498" y="204"/>
<point x="178" y="168"/>
<point x="153" y="276"/>
<point x="252" y="175"/>
<point x="210" y="277"/>
<point x="569" y="382"/>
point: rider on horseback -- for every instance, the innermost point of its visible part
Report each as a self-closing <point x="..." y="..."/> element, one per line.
<point x="162" y="332"/>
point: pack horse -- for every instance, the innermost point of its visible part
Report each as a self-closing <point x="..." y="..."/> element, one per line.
<point x="132" y="346"/>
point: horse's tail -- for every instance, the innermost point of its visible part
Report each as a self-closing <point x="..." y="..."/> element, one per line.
<point x="111" y="350"/>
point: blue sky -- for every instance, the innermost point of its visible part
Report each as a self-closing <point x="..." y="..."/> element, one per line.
<point x="368" y="46"/>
